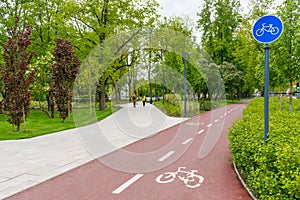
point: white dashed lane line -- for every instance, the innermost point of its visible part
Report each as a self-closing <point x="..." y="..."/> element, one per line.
<point x="216" y="120"/>
<point x="209" y="125"/>
<point x="187" y="141"/>
<point x="127" y="184"/>
<point x="167" y="155"/>
<point x="201" y="131"/>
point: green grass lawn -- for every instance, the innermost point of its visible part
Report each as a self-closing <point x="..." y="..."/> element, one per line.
<point x="38" y="123"/>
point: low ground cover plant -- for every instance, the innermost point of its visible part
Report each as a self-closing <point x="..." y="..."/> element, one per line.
<point x="271" y="171"/>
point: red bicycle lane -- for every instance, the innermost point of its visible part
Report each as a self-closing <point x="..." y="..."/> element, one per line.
<point x="131" y="173"/>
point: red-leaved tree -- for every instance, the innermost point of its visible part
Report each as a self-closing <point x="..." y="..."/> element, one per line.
<point x="63" y="75"/>
<point x="16" y="76"/>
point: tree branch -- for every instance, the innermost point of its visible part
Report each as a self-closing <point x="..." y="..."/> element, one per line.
<point x="126" y="42"/>
<point x="85" y="23"/>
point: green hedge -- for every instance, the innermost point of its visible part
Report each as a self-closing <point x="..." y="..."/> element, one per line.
<point x="271" y="171"/>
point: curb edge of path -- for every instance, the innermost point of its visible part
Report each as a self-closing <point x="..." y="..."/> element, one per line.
<point x="243" y="182"/>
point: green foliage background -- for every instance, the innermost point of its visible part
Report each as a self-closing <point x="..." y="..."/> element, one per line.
<point x="272" y="171"/>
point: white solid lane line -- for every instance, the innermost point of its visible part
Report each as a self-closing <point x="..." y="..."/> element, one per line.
<point x="187" y="141"/>
<point x="127" y="184"/>
<point x="167" y="155"/>
<point x="201" y="131"/>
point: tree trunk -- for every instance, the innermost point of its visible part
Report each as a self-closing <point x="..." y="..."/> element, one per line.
<point x="52" y="110"/>
<point x="102" y="96"/>
<point x="44" y="110"/>
<point x="129" y="84"/>
<point x="48" y="102"/>
<point x="24" y="118"/>
<point x="69" y="110"/>
<point x="18" y="127"/>
<point x="102" y="100"/>
<point x="52" y="104"/>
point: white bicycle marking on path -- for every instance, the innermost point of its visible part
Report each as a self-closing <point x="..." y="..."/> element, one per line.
<point x="189" y="178"/>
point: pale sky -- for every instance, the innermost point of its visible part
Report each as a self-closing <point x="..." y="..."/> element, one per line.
<point x="189" y="7"/>
<point x="185" y="7"/>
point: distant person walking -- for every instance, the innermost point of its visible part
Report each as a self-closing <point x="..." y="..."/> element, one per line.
<point x="144" y="100"/>
<point x="134" y="98"/>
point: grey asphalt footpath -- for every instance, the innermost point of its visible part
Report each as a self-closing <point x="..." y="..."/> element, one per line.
<point x="28" y="162"/>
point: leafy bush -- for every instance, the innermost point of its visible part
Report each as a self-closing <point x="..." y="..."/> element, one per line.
<point x="271" y="171"/>
<point x="169" y="109"/>
<point x="174" y="106"/>
<point x="206" y="105"/>
<point x="173" y="99"/>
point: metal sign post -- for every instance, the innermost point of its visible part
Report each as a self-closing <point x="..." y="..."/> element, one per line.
<point x="266" y="93"/>
<point x="266" y="30"/>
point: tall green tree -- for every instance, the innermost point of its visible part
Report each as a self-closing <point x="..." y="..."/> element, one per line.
<point x="218" y="20"/>
<point x="287" y="48"/>
<point x="248" y="57"/>
<point x="41" y="87"/>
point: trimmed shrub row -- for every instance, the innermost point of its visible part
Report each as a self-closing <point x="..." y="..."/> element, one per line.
<point x="174" y="105"/>
<point x="271" y="171"/>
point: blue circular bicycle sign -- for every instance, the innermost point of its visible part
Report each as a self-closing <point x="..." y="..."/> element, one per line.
<point x="267" y="29"/>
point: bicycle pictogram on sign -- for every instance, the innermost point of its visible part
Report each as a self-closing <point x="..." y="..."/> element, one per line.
<point x="267" y="28"/>
<point x="189" y="178"/>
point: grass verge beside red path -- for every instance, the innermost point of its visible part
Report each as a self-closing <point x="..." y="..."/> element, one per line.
<point x="38" y="124"/>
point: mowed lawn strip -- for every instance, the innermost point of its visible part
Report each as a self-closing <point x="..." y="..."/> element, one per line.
<point x="38" y="124"/>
